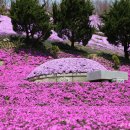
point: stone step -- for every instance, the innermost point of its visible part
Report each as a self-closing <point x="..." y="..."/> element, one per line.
<point x="117" y="76"/>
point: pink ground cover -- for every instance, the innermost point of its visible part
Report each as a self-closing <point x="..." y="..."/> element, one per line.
<point x="101" y="43"/>
<point x="54" y="37"/>
<point x="58" y="106"/>
<point x="6" y="26"/>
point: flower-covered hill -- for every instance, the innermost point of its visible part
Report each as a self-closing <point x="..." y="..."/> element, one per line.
<point x="58" y="106"/>
<point x="66" y="65"/>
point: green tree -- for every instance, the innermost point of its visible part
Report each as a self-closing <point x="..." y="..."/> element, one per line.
<point x="30" y="17"/>
<point x="71" y="17"/>
<point x="116" y="24"/>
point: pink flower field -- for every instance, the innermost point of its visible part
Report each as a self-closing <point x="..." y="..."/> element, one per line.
<point x="27" y="105"/>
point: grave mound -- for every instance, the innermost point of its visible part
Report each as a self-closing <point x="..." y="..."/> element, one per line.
<point x="64" y="69"/>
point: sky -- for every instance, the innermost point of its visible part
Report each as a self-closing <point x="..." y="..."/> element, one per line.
<point x="60" y="0"/>
<point x="8" y="1"/>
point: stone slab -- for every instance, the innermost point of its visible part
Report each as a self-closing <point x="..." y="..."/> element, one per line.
<point x="1" y="62"/>
<point x="64" y="79"/>
<point x="79" y="79"/>
<point x="107" y="75"/>
<point x="64" y="75"/>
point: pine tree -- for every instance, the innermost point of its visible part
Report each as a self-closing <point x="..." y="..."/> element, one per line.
<point x="116" y="24"/>
<point x="30" y="17"/>
<point x="71" y="17"/>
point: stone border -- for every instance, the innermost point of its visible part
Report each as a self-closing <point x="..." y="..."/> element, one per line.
<point x="71" y="77"/>
<point x="96" y="76"/>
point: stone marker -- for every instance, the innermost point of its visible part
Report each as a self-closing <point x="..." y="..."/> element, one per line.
<point x="114" y="76"/>
<point x="1" y="62"/>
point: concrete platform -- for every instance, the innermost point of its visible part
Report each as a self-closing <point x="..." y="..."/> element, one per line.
<point x="114" y="76"/>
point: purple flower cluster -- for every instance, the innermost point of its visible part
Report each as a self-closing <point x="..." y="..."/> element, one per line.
<point x="95" y="21"/>
<point x="66" y="65"/>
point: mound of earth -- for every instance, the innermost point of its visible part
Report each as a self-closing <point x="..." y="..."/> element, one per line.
<point x="66" y="65"/>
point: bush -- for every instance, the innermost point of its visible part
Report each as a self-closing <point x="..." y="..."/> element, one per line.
<point x="10" y="41"/>
<point x="30" y="17"/>
<point x="92" y="56"/>
<point x="116" y="62"/>
<point x="54" y="51"/>
<point x="19" y="44"/>
<point x="48" y="47"/>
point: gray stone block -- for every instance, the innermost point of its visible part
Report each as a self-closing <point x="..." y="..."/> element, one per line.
<point x="107" y="75"/>
<point x="64" y="79"/>
<point x="79" y="79"/>
<point x="64" y="75"/>
<point x="1" y="62"/>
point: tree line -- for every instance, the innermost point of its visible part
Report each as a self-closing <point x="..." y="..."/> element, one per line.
<point x="71" y="18"/>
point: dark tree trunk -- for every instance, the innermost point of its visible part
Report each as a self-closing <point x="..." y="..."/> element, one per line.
<point x="27" y="37"/>
<point x="72" y="44"/>
<point x="126" y="52"/>
<point x="72" y="41"/>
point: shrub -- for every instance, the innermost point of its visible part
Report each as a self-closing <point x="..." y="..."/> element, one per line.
<point x="10" y="41"/>
<point x="18" y="44"/>
<point x="54" y="51"/>
<point x="30" y="17"/>
<point x="48" y="47"/>
<point x="92" y="56"/>
<point x="116" y="61"/>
